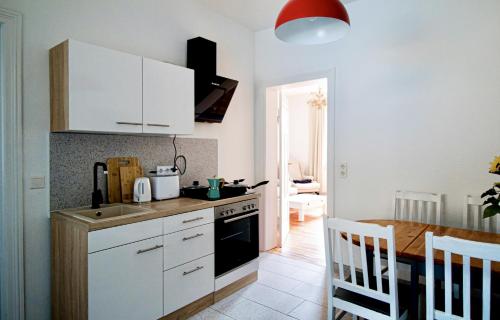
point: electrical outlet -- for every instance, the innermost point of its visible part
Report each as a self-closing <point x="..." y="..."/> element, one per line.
<point x="164" y="170"/>
<point x="343" y="170"/>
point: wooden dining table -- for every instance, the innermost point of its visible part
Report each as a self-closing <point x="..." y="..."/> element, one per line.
<point x="410" y="248"/>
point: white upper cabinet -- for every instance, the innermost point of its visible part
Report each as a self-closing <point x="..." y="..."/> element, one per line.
<point x="168" y="98"/>
<point x="94" y="89"/>
<point x="103" y="90"/>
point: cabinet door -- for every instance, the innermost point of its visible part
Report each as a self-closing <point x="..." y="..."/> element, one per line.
<point x="126" y="282"/>
<point x="188" y="283"/>
<point x="104" y="88"/>
<point x="168" y="98"/>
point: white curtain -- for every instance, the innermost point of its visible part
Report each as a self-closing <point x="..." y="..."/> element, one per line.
<point x="318" y="145"/>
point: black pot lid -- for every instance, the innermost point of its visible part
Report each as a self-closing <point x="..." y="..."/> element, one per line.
<point x="195" y="186"/>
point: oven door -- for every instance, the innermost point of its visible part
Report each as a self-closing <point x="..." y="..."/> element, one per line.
<point x="236" y="241"/>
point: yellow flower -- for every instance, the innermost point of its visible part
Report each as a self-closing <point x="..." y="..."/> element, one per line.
<point x="495" y="165"/>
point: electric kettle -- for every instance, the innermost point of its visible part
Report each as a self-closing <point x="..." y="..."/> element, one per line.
<point x="142" y="190"/>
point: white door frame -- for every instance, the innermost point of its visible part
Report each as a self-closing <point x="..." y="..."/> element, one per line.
<point x="11" y="171"/>
<point x="268" y="227"/>
<point x="283" y="158"/>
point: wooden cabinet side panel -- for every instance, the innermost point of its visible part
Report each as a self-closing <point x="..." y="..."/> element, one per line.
<point x="59" y="90"/>
<point x="69" y="269"/>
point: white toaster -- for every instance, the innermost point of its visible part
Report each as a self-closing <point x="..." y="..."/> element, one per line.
<point x="165" y="187"/>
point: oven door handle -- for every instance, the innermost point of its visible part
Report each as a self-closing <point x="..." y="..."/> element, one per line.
<point x="241" y="217"/>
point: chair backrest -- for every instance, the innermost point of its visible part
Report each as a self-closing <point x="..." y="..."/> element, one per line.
<point x="418" y="206"/>
<point x="487" y="252"/>
<point x="364" y="234"/>
<point x="294" y="170"/>
<point x="472" y="217"/>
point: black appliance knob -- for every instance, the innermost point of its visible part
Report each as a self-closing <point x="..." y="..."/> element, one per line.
<point x="196" y="183"/>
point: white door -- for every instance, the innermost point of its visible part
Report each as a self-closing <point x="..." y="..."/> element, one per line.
<point x="105" y="89"/>
<point x="284" y="208"/>
<point x="126" y="282"/>
<point x="168" y="98"/>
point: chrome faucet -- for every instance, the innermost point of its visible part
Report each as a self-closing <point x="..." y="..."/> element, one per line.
<point x="97" y="197"/>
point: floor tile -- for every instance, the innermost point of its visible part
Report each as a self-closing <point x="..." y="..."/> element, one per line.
<point x="311" y="293"/>
<point x="294" y="272"/>
<point x="277" y="281"/>
<point x="250" y="310"/>
<point x="272" y="298"/>
<point x="309" y="311"/>
<point x="210" y="314"/>
<point x="228" y="302"/>
<point x="293" y="262"/>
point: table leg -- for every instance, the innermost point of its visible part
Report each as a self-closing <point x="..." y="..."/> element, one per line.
<point x="414" y="291"/>
<point x="369" y="262"/>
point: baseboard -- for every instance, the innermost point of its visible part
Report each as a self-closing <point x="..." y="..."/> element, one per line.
<point x="235" y="286"/>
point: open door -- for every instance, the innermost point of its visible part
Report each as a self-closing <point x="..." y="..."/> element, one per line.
<point x="284" y="208"/>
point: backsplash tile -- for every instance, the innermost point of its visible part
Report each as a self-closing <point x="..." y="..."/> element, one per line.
<point x="72" y="156"/>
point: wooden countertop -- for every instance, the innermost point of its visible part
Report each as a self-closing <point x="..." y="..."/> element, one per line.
<point x="158" y="209"/>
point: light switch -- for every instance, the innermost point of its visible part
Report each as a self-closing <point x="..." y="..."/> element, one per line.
<point x="343" y="170"/>
<point x="37" y="183"/>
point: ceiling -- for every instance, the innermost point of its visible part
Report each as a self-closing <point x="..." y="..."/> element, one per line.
<point x="254" y="14"/>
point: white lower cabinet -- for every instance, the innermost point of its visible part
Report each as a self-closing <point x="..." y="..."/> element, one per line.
<point x="187" y="283"/>
<point x="125" y="282"/>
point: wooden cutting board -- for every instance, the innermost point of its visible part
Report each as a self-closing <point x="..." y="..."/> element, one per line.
<point x="114" y="184"/>
<point x="127" y="179"/>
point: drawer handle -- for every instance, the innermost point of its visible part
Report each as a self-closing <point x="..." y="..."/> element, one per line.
<point x="192" y="237"/>
<point x="129" y="123"/>
<point x="185" y="273"/>
<point x="192" y="220"/>
<point x="158" y="246"/>
<point x="159" y="125"/>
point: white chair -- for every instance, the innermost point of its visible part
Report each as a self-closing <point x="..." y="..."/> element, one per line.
<point x="467" y="249"/>
<point x="418" y="206"/>
<point x="472" y="217"/>
<point x="355" y="295"/>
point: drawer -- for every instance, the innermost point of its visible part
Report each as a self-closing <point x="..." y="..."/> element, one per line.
<point x="188" y="245"/>
<point x="187" y="283"/>
<point x="187" y="220"/>
<point x="117" y="236"/>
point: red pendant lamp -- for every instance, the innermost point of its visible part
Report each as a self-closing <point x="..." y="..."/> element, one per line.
<point x="312" y="21"/>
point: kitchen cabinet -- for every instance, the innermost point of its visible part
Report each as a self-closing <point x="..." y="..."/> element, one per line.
<point x="95" y="89"/>
<point x="125" y="282"/>
<point x="196" y="279"/>
<point x="168" y="98"/>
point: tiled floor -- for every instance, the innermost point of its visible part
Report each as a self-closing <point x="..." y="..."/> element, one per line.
<point x="286" y="289"/>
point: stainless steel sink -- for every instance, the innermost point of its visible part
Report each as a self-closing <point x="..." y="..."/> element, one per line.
<point x="107" y="211"/>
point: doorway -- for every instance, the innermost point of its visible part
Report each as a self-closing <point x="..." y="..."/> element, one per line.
<point x="301" y="148"/>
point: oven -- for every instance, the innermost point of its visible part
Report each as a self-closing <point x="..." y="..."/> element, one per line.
<point x="236" y="235"/>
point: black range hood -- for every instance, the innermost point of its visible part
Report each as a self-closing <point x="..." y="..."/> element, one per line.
<point x="213" y="93"/>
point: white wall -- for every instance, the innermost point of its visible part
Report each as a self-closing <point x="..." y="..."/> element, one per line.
<point x="416" y="99"/>
<point x="154" y="28"/>
<point x="300" y="123"/>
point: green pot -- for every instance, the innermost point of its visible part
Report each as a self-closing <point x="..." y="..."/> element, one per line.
<point x="213" y="191"/>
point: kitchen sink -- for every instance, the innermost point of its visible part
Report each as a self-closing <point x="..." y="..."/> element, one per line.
<point x="108" y="211"/>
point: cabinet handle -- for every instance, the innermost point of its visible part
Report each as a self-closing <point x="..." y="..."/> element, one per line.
<point x="158" y="246"/>
<point x="192" y="237"/>
<point x="185" y="273"/>
<point x="129" y="123"/>
<point x="192" y="220"/>
<point x="158" y="125"/>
